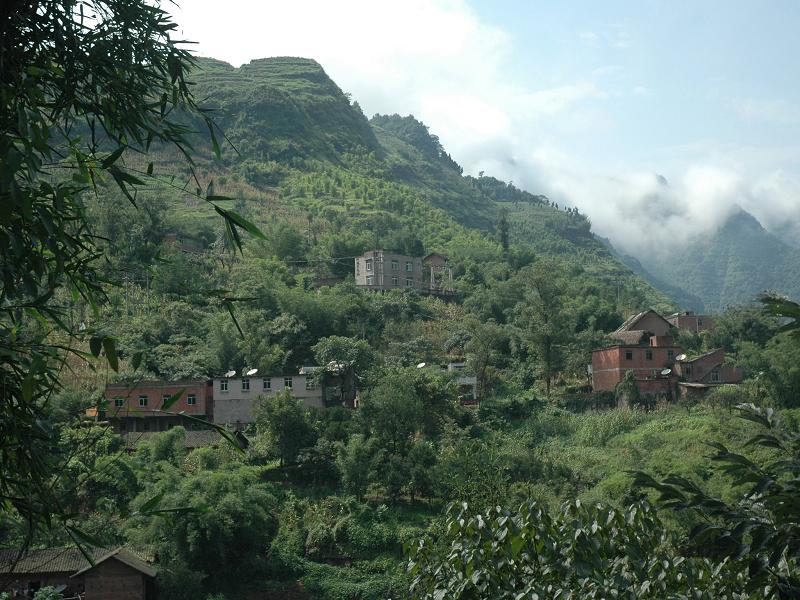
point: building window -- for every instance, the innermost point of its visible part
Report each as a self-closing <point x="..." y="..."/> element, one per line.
<point x="395" y="265"/>
<point x="629" y="355"/>
<point x="669" y="355"/>
<point x="369" y="264"/>
<point x="648" y="355"/>
<point x="409" y="282"/>
<point x="287" y="383"/>
<point x="191" y="399"/>
<point x="223" y="385"/>
<point x="142" y="400"/>
<point x="409" y="267"/>
<point x="310" y="385"/>
<point x="165" y="398"/>
<point x="715" y="376"/>
<point x="370" y="280"/>
<point x="395" y="280"/>
<point x="119" y="401"/>
<point x="267" y="383"/>
<point x="245" y="385"/>
<point x="699" y="322"/>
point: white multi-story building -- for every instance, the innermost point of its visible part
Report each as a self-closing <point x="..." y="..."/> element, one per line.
<point x="234" y="397"/>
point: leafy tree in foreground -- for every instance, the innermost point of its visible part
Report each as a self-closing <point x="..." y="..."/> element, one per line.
<point x="286" y="423"/>
<point x="763" y="527"/>
<point x="81" y="83"/>
<point x="356" y="463"/>
<point x="582" y="552"/>
<point x="347" y="358"/>
<point x="225" y="532"/>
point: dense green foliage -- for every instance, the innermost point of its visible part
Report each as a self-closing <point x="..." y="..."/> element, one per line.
<point x="322" y="501"/>
<point x="81" y="82"/>
<point x="581" y="552"/>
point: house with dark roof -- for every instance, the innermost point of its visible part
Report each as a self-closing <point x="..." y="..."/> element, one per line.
<point x="192" y="439"/>
<point x="106" y="574"/>
<point x="698" y="374"/>
<point x="647" y="322"/>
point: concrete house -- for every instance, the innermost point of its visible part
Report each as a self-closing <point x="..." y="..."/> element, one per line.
<point x="383" y="270"/>
<point x="235" y="397"/>
<point x="117" y="574"/>
<point x="467" y="384"/>
<point x="137" y="406"/>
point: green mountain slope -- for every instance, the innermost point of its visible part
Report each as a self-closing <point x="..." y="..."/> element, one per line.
<point x="283" y="109"/>
<point x="731" y="265"/>
<point x="303" y="157"/>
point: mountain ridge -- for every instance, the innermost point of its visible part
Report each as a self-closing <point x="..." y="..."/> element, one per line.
<point x="731" y="264"/>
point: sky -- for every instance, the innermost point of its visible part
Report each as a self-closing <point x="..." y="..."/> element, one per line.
<point x="656" y="118"/>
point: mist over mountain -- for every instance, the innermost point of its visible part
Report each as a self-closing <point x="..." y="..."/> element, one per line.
<point x="730" y="264"/>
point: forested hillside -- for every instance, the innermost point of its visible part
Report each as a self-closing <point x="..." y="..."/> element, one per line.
<point x="324" y="185"/>
<point x="349" y="503"/>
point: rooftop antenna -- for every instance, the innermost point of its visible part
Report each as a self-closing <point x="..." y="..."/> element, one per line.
<point x="230" y="373"/>
<point x="421" y="365"/>
<point x="680" y="357"/>
<point x="666" y="371"/>
<point x="252" y="372"/>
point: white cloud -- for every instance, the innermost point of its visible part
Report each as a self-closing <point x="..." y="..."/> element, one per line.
<point x="437" y="60"/>
<point x="776" y="111"/>
<point x="614" y="37"/>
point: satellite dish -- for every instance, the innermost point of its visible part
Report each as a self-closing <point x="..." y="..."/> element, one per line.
<point x="421" y="365"/>
<point x="666" y="371"/>
<point x="680" y="357"/>
<point x="230" y="373"/>
<point x="252" y="371"/>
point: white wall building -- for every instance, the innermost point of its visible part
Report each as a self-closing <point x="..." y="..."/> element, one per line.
<point x="235" y="397"/>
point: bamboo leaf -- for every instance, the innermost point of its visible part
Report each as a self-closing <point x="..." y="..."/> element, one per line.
<point x="110" y="347"/>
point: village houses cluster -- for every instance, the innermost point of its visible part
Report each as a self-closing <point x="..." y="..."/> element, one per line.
<point x="644" y="345"/>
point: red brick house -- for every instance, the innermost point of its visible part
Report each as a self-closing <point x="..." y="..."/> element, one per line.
<point x="688" y="321"/>
<point x="137" y="406"/>
<point x="648" y="361"/>
<point x="645" y="346"/>
<point x="117" y="574"/>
